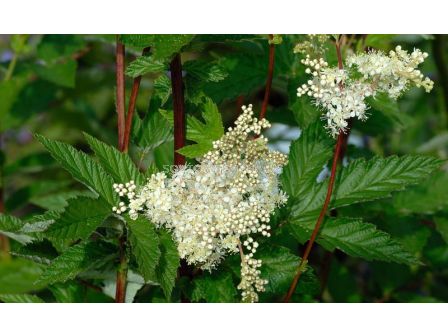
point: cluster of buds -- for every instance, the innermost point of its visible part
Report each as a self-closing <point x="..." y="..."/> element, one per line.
<point x="342" y="93"/>
<point x="209" y="208"/>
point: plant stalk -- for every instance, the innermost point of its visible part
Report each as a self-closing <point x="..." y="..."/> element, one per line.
<point x="337" y="151"/>
<point x="267" y="91"/>
<point x="179" y="109"/>
<point x="122" y="272"/>
<point x="120" y="94"/>
<point x="131" y="109"/>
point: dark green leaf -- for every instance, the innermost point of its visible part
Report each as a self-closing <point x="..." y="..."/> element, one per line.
<point x="81" y="217"/>
<point x="145" y="246"/>
<point x="83" y="168"/>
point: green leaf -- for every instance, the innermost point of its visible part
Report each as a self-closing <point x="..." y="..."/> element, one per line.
<point x="442" y="227"/>
<point x="75" y="260"/>
<point x="81" y="217"/>
<point x="54" y="47"/>
<point x="166" y="270"/>
<point x="11" y="227"/>
<point x="153" y="130"/>
<point x="203" y="133"/>
<point x="305" y="112"/>
<point x="357" y="239"/>
<point x="307" y="157"/>
<point x="362" y="181"/>
<point x="83" y="168"/>
<point x="425" y="198"/>
<point x="145" y="246"/>
<point x="118" y="165"/>
<point x="216" y="287"/>
<point x="20" y="298"/>
<point x="279" y="268"/>
<point x="19" y="276"/>
<point x="205" y="71"/>
<point x="164" y="46"/>
<point x="63" y="74"/>
<point x="144" y="64"/>
<point x="390" y="108"/>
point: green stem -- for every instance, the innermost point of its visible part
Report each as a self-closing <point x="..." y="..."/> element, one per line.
<point x="11" y="67"/>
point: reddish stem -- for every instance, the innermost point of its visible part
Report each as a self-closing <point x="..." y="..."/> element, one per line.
<point x="267" y="91"/>
<point x="320" y="219"/>
<point x="120" y="95"/>
<point x="339" y="144"/>
<point x="178" y="107"/>
<point x="131" y="109"/>
<point x="122" y="272"/>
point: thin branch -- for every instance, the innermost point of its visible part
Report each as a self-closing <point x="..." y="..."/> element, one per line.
<point x="178" y="107"/>
<point x="131" y="109"/>
<point x="267" y="91"/>
<point x="120" y="94"/>
<point x="122" y="272"/>
<point x="323" y="212"/>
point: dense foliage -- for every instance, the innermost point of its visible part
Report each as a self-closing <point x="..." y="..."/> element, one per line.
<point x="385" y="235"/>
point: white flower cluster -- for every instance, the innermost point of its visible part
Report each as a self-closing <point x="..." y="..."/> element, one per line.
<point x="211" y="207"/>
<point x="342" y="93"/>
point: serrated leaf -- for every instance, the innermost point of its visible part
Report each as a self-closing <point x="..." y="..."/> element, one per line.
<point x="357" y="239"/>
<point x="203" y="133"/>
<point x="279" y="267"/>
<point x="153" y="130"/>
<point x="11" y="227"/>
<point x="166" y="270"/>
<point x="307" y="157"/>
<point x="145" y="246"/>
<point x="19" y="276"/>
<point x="304" y="112"/>
<point x="164" y="46"/>
<point x="425" y="198"/>
<point x="20" y="298"/>
<point x="83" y="168"/>
<point x="80" y="218"/>
<point x="205" y="71"/>
<point x="119" y="165"/>
<point x="75" y="260"/>
<point x="216" y="287"/>
<point x="143" y="65"/>
<point x="362" y="181"/>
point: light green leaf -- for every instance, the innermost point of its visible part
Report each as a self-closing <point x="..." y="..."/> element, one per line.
<point x="144" y="64"/>
<point x="80" y="218"/>
<point x="145" y="246"/>
<point x="307" y="157"/>
<point x="20" y="298"/>
<point x="357" y="239"/>
<point x="203" y="133"/>
<point x="117" y="164"/>
<point x="75" y="260"/>
<point x="83" y="168"/>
